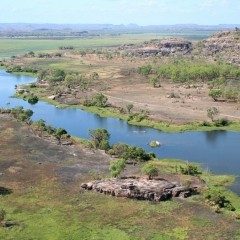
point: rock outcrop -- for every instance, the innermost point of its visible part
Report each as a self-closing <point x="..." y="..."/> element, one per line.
<point x="165" y="47"/>
<point x="225" y="45"/>
<point x="140" y="188"/>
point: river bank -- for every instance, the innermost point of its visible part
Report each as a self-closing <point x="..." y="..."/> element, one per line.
<point x="114" y="112"/>
<point x="46" y="200"/>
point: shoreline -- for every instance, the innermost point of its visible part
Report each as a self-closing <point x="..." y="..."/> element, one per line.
<point x="112" y="112"/>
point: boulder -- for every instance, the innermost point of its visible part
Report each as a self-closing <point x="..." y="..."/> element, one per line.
<point x="140" y="188"/>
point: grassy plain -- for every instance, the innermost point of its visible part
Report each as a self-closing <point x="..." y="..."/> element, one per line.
<point x="47" y="203"/>
<point x="10" y="47"/>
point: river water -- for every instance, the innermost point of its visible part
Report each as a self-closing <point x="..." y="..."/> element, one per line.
<point x="218" y="151"/>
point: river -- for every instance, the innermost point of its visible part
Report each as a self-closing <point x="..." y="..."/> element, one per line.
<point x="218" y="151"/>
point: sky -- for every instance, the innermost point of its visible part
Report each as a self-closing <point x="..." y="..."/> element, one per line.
<point x="142" y="12"/>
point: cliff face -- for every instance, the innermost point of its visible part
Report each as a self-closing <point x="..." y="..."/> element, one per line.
<point x="223" y="45"/>
<point x="165" y="47"/>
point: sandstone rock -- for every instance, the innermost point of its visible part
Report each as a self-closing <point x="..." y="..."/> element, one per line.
<point x="140" y="188"/>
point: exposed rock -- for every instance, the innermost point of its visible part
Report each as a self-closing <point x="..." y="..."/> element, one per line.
<point x="140" y="188"/>
<point x="53" y="97"/>
<point x="171" y="46"/>
<point x="223" y="44"/>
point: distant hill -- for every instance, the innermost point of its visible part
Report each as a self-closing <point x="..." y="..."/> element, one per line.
<point x="41" y="30"/>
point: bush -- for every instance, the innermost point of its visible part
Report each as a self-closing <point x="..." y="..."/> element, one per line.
<point x="33" y="99"/>
<point x="212" y="112"/>
<point x="59" y="132"/>
<point x="154" y="81"/>
<point x="216" y="197"/>
<point x="56" y="75"/>
<point x="100" y="138"/>
<point x="116" y="167"/>
<point x="206" y="124"/>
<point x="129" y="108"/>
<point x="222" y="122"/>
<point x="190" y="169"/>
<point x="185" y="71"/>
<point x="150" y="170"/>
<point x="215" y="94"/>
<point x="22" y="114"/>
<point x="145" y="70"/>
<point x="127" y="152"/>
<point x="99" y="100"/>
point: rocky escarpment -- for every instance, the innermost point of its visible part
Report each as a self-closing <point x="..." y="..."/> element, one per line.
<point x="140" y="188"/>
<point x="165" y="47"/>
<point x="224" y="45"/>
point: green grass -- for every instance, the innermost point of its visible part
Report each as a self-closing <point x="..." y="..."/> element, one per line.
<point x="13" y="47"/>
<point x="48" y="211"/>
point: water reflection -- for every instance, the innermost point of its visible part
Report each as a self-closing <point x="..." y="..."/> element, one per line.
<point x="213" y="136"/>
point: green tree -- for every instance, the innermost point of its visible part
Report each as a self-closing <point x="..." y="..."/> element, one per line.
<point x="33" y="99"/>
<point x="116" y="167"/>
<point x="100" y="138"/>
<point x="99" y="100"/>
<point x="150" y="170"/>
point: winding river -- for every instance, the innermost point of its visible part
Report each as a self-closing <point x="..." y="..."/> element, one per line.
<point x="218" y="151"/>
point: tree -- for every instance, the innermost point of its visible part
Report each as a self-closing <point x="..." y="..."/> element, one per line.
<point x="116" y="167"/>
<point x="150" y="170"/>
<point x="129" y="108"/>
<point x="99" y="100"/>
<point x="33" y="99"/>
<point x="100" y="138"/>
<point x="212" y="113"/>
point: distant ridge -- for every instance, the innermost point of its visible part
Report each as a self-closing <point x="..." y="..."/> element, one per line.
<point x="28" y="27"/>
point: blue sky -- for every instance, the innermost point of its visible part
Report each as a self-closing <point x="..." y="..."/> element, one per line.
<point x="142" y="12"/>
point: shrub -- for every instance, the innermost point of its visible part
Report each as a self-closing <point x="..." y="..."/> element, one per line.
<point x="119" y="149"/>
<point x="22" y="114"/>
<point x="217" y="198"/>
<point x="184" y="71"/>
<point x="33" y="99"/>
<point x="206" y="124"/>
<point x="116" y="167"/>
<point x="129" y="108"/>
<point x="190" y="169"/>
<point x="150" y="170"/>
<point x="154" y="81"/>
<point x="212" y="112"/>
<point x="127" y="152"/>
<point x="56" y="75"/>
<point x="145" y="70"/>
<point x="59" y="132"/>
<point x="222" y="122"/>
<point x="99" y="100"/>
<point x="100" y="138"/>
<point x="215" y="94"/>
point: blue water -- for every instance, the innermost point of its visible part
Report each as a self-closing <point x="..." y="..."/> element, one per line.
<point x="218" y="151"/>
